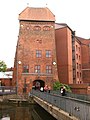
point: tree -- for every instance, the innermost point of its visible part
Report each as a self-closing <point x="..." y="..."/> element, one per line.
<point x="3" y="66"/>
<point x="57" y="85"/>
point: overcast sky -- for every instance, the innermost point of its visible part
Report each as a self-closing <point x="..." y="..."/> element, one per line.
<point x="75" y="13"/>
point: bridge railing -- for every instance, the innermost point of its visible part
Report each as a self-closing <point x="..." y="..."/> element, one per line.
<point x="77" y="96"/>
<point x="76" y="107"/>
<point x="7" y="90"/>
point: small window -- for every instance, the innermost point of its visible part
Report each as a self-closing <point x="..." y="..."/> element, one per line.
<point x="76" y="47"/>
<point x="39" y="41"/>
<point x="79" y="49"/>
<point x="48" y="53"/>
<point x="76" y="56"/>
<point x="48" y="69"/>
<point x="37" y="69"/>
<point x="77" y="74"/>
<point x="80" y="74"/>
<point x="26" y="68"/>
<point x="38" y="53"/>
<point x="77" y="65"/>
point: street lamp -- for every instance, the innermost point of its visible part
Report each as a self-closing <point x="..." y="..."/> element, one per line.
<point x="54" y="63"/>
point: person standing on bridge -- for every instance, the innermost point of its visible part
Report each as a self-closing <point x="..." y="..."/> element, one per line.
<point x="49" y="89"/>
<point x="46" y="88"/>
<point x="63" y="91"/>
<point x="42" y="89"/>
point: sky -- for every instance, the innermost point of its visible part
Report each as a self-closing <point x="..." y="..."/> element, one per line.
<point x="75" y="13"/>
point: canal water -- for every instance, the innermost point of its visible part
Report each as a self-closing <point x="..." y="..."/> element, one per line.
<point x="23" y="112"/>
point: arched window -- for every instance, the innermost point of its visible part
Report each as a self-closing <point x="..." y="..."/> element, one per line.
<point x="46" y="28"/>
<point x="37" y="28"/>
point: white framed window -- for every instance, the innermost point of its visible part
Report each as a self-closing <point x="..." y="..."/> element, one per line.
<point x="48" y="69"/>
<point x="37" y="68"/>
<point x="38" y="53"/>
<point x="48" y="53"/>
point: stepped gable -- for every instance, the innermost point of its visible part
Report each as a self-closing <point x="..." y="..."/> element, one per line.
<point x="37" y="14"/>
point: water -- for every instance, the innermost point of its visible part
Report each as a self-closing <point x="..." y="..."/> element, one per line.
<point x="24" y="112"/>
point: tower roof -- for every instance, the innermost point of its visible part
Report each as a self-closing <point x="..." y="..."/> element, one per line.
<point x="37" y="14"/>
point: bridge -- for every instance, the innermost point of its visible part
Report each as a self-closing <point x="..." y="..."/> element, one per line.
<point x="63" y="107"/>
<point x="68" y="107"/>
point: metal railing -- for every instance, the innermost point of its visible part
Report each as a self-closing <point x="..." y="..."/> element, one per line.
<point x="76" y="107"/>
<point x="4" y="90"/>
<point x="73" y="95"/>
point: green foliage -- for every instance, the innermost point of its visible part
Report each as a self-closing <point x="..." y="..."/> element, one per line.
<point x="3" y="66"/>
<point x="57" y="85"/>
<point x="67" y="87"/>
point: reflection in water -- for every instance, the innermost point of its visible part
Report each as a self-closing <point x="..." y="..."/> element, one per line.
<point x="25" y="112"/>
<point x="40" y="114"/>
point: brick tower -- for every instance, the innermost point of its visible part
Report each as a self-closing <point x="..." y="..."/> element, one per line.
<point x="35" y="60"/>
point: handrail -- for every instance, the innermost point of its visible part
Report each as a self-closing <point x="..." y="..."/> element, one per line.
<point x="73" y="95"/>
<point x="7" y="90"/>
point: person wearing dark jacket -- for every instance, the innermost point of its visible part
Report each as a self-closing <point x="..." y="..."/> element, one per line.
<point x="62" y="90"/>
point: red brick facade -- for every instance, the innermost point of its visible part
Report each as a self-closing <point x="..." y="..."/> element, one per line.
<point x="85" y="47"/>
<point x="77" y="62"/>
<point x="36" y="51"/>
<point x="64" y="54"/>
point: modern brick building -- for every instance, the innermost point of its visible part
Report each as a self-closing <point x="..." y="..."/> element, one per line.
<point x="63" y="35"/>
<point x="35" y="60"/>
<point x="73" y="59"/>
<point x="85" y="51"/>
<point x="68" y="49"/>
<point x="47" y="51"/>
